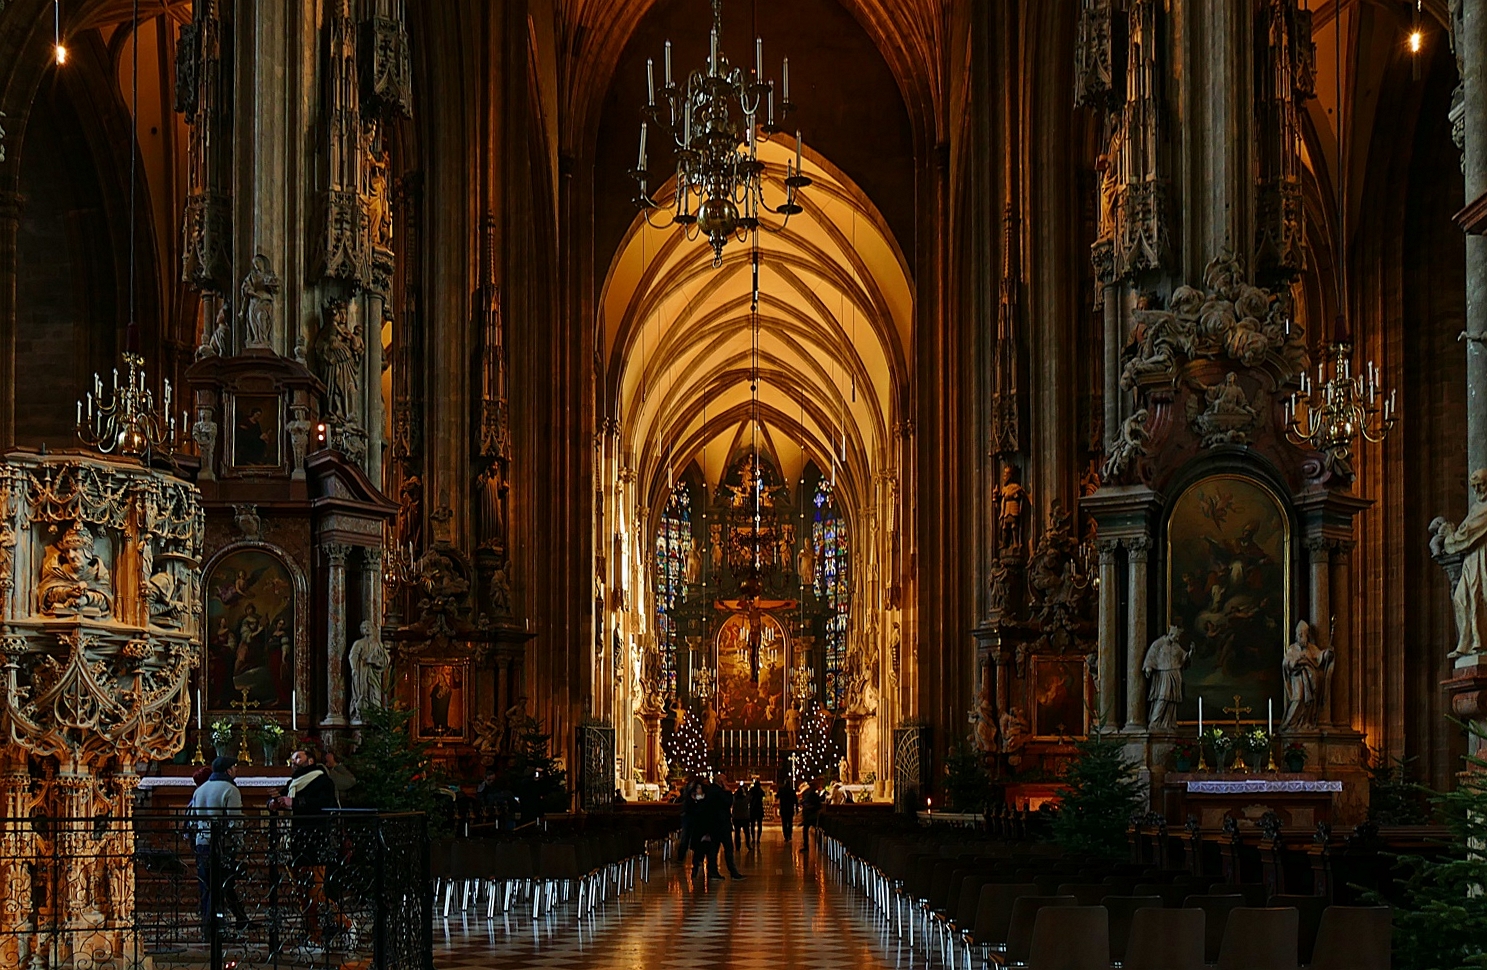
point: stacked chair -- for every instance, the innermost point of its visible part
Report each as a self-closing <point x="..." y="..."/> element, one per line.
<point x="539" y="873"/>
<point x="972" y="900"/>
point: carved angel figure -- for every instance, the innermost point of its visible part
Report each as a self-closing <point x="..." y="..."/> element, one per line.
<point x="73" y="578"/>
<point x="1129" y="445"/>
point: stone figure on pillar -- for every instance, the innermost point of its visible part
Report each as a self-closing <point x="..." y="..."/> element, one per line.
<point x="985" y="717"/>
<point x="259" y="290"/>
<point x="805" y="563"/>
<point x="1165" y="661"/>
<point x="1308" y="670"/>
<point x="410" y="512"/>
<point x="792" y="727"/>
<point x="369" y="662"/>
<point x="219" y="341"/>
<point x="1469" y="541"/>
<point x="74" y="580"/>
<point x="1014" y="734"/>
<point x="1012" y="503"/>
<point x="340" y="349"/>
<point x="694" y="565"/>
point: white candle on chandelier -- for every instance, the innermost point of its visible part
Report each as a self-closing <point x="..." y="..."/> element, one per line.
<point x="758" y="58"/>
<point x="650" y="81"/>
<point x="785" y="77"/>
<point x="712" y="57"/>
<point x="640" y="165"/>
<point x="80" y="413"/>
<point x="771" y="106"/>
<point x="668" y="64"/>
<point x="799" y="143"/>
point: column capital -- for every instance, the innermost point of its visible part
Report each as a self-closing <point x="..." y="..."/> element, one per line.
<point x="335" y="553"/>
<point x="1139" y="547"/>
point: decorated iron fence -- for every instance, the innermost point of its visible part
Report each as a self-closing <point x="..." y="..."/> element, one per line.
<point x="260" y="890"/>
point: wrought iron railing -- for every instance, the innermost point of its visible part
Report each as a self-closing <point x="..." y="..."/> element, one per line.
<point x="258" y="891"/>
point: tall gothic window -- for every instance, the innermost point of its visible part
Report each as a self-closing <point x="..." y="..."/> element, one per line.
<point x="831" y="586"/>
<point x="673" y="546"/>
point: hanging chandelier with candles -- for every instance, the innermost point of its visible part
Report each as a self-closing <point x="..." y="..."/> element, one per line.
<point x="716" y="120"/>
<point x="1336" y="407"/>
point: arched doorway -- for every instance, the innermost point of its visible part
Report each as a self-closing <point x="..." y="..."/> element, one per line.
<point x="751" y="474"/>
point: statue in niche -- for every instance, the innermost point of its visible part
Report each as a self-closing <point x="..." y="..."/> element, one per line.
<point x="785" y="543"/>
<point x="441" y="523"/>
<point x="805" y="563"/>
<point x="513" y="723"/>
<point x="259" y="290"/>
<point x="1014" y="734"/>
<point x="410" y="512"/>
<point x="379" y="212"/>
<point x="1165" y="661"/>
<point x="340" y="353"/>
<point x="165" y="606"/>
<point x="997" y="597"/>
<point x="369" y="660"/>
<point x="715" y="541"/>
<point x="500" y="589"/>
<point x="1468" y="540"/>
<point x="792" y="727"/>
<point x="1012" y="503"/>
<point x="493" y="491"/>
<point x="1307" y="669"/>
<point x="985" y="717"/>
<point x="694" y="565"/>
<point x="74" y="579"/>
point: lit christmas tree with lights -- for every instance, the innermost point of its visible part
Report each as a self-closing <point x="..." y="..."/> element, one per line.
<point x="815" y="754"/>
<point x="687" y="751"/>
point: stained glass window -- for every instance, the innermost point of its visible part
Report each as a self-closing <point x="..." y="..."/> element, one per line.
<point x="673" y="546"/>
<point x="831" y="585"/>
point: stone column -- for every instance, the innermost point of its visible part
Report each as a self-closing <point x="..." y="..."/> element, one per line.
<point x="652" y="766"/>
<point x="1319" y="555"/>
<point x="334" y="554"/>
<point x="1138" y="550"/>
<point x="854" y="747"/>
<point x="371" y="586"/>
<point x="10" y="221"/>
<point x="1109" y="655"/>
<point x="1339" y="709"/>
<point x="1471" y="53"/>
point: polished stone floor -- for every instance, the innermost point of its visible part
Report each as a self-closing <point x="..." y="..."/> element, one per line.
<point x="788" y="912"/>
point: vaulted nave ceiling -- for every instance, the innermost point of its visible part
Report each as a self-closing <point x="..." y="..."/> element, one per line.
<point x="835" y="312"/>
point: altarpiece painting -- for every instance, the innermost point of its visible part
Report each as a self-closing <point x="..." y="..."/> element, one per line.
<point x="1059" y="692"/>
<point x="443" y="702"/>
<point x="251" y="630"/>
<point x="751" y="672"/>
<point x="1228" y="590"/>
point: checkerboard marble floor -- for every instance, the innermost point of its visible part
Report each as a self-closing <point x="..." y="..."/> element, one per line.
<point x="789" y="912"/>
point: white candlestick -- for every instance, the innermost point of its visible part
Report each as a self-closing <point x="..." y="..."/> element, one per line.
<point x="198" y="709"/>
<point x="294" y="710"/>
<point x="668" y="63"/>
<point x="650" y="81"/>
<point x="758" y="58"/>
<point x="1270" y="716"/>
<point x="1200" y="717"/>
<point x="785" y="78"/>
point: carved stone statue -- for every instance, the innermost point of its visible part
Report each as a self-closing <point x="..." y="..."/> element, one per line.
<point x="299" y="438"/>
<point x="410" y="512"/>
<point x="1227" y="418"/>
<point x="1012" y="502"/>
<point x="340" y="349"/>
<point x="165" y="606"/>
<point x="805" y="562"/>
<point x="73" y="579"/>
<point x="1165" y="661"/>
<point x="259" y="290"/>
<point x="219" y="342"/>
<point x="694" y="565"/>
<point x="488" y="736"/>
<point x="204" y="432"/>
<point x="715" y="540"/>
<point x="369" y="662"/>
<point x="997" y="595"/>
<point x="1014" y="733"/>
<point x="1469" y="540"/>
<point x="986" y="719"/>
<point x="379" y="212"/>
<point x="792" y="727"/>
<point x="514" y="722"/>
<point x="1307" y="669"/>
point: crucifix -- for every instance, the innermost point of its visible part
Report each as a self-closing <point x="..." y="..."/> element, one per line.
<point x="1237" y="710"/>
<point x="245" y="757"/>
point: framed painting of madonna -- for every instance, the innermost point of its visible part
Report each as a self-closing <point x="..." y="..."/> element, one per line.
<point x="252" y="630"/>
<point x="443" y="702"/>
<point x="1229" y="589"/>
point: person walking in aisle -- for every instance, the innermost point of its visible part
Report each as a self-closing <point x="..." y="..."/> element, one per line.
<point x="787" y="802"/>
<point x="721" y="809"/>
<point x="810" y="813"/>
<point x="743" y="834"/>
<point x="699" y="827"/>
<point x="756" y="810"/>
<point x="218" y="797"/>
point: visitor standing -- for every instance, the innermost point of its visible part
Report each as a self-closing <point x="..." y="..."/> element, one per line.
<point x="756" y="810"/>
<point x="810" y="812"/>
<point x="218" y="805"/>
<point x="743" y="831"/>
<point x="787" y="801"/>
<point x="309" y="796"/>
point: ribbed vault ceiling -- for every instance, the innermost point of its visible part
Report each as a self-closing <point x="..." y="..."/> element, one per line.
<point x="835" y="312"/>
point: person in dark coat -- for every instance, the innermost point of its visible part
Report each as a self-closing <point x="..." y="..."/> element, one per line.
<point x="787" y="800"/>
<point x="743" y="830"/>
<point x="810" y="813"/>
<point x="696" y="828"/>
<point x="756" y="810"/>
<point x="309" y="796"/>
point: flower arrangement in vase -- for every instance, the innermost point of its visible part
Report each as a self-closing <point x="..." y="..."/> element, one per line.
<point x="269" y="734"/>
<point x="1254" y="746"/>
<point x="222" y="732"/>
<point x="1185" y="753"/>
<point x="1222" y="747"/>
<point x="1295" y="756"/>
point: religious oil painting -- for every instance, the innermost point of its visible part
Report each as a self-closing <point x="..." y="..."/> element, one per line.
<point x="1059" y="708"/>
<point x="255" y="431"/>
<point x="250" y="631"/>
<point x="1228" y="591"/>
<point x="443" y="702"/>
<point x="751" y="672"/>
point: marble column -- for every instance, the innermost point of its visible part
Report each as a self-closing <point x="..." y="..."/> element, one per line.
<point x="10" y="221"/>
<point x="1319" y="555"/>
<point x="371" y="586"/>
<point x="1471" y="52"/>
<point x="334" y="554"/>
<point x="854" y="747"/>
<point x="1339" y="699"/>
<point x="1138" y="549"/>
<point x="1109" y="656"/>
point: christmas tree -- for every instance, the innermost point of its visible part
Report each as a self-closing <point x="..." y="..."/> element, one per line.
<point x="814" y="753"/>
<point x="393" y="772"/>
<point x="534" y="774"/>
<point x="1100" y="792"/>
<point x="687" y="750"/>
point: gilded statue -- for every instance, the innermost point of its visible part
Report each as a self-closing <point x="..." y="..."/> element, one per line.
<point x="1307" y="669"/>
<point x="369" y="662"/>
<point x="1165" y="661"/>
<point x="1012" y="503"/>
<point x="74" y="580"/>
<point x="1469" y="540"/>
<point x="792" y="727"/>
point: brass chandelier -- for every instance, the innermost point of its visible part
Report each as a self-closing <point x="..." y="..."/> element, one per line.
<point x="1329" y="412"/>
<point x="716" y="121"/>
